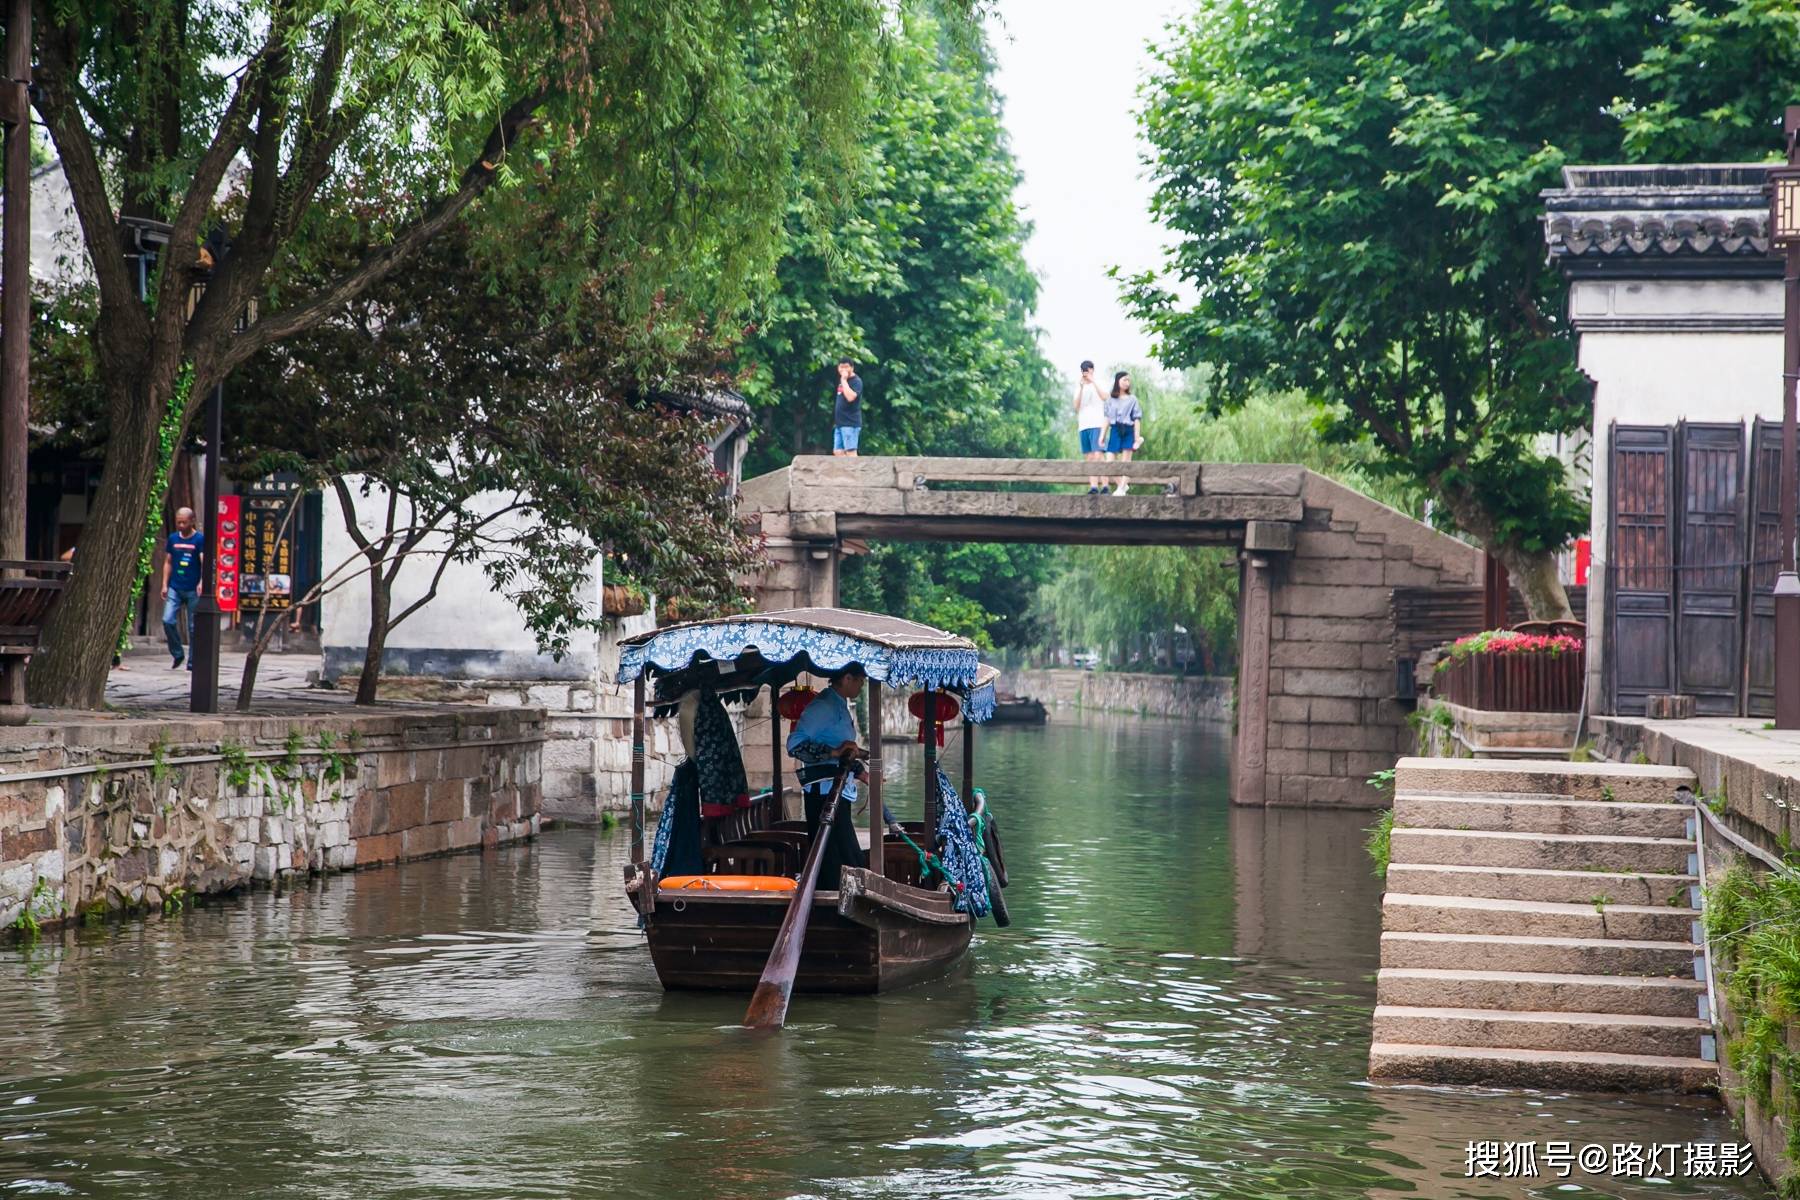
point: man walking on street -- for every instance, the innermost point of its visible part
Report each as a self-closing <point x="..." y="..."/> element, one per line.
<point x="183" y="552"/>
<point x="846" y="413"/>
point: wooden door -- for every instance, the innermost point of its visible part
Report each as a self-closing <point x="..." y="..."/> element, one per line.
<point x="1641" y="656"/>
<point x="1709" y="580"/>
<point x="1765" y="561"/>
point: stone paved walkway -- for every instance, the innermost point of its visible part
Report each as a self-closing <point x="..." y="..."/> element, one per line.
<point x="146" y="684"/>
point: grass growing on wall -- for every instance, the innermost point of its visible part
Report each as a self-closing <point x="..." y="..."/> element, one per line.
<point x="1381" y="836"/>
<point x="1753" y="926"/>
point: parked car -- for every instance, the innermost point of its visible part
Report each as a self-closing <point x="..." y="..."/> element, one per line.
<point x="1087" y="660"/>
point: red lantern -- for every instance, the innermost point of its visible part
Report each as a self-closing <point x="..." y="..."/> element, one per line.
<point x="793" y="702"/>
<point x="946" y="711"/>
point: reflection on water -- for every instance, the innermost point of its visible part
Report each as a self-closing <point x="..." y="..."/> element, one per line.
<point x="1181" y="1009"/>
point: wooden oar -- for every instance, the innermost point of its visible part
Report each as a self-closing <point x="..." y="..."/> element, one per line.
<point x="769" y="1003"/>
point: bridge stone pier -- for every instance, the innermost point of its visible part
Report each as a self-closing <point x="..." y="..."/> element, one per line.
<point x="1316" y="679"/>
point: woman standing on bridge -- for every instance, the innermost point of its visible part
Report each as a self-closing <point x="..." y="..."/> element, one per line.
<point x="1125" y="421"/>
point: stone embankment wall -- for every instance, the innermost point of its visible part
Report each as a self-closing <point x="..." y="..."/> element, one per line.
<point x="1447" y="730"/>
<point x="1198" y="697"/>
<point x="112" y="814"/>
<point x="1747" y="780"/>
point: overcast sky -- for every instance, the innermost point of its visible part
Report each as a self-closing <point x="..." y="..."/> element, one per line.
<point x="1069" y="71"/>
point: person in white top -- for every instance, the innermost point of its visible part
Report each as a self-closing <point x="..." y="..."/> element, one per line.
<point x="1090" y="419"/>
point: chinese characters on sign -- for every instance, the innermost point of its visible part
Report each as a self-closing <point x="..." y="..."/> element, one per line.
<point x="227" y="535"/>
<point x="1615" y="1160"/>
<point x="268" y="573"/>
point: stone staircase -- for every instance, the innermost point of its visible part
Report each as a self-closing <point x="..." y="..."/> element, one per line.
<point x="1540" y="929"/>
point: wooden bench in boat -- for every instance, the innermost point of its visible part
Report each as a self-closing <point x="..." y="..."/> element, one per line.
<point x="28" y="590"/>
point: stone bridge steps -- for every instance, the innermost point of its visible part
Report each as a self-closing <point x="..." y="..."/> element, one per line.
<point x="1539" y="991"/>
<point x="1597" y="919"/>
<point x="1530" y="883"/>
<point x="1510" y="814"/>
<point x="1537" y="929"/>
<point x="1571" y="1032"/>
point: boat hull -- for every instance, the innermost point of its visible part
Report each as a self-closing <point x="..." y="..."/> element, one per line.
<point x="873" y="935"/>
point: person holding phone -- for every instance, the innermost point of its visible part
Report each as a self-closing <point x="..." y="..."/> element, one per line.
<point x="1125" y="421"/>
<point x="846" y="411"/>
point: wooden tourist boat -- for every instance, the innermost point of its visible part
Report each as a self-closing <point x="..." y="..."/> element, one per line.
<point x="1019" y="710"/>
<point x="879" y="927"/>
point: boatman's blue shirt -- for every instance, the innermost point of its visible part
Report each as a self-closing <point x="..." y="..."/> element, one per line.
<point x="822" y="728"/>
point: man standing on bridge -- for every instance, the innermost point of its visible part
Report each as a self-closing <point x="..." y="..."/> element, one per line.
<point x="846" y="416"/>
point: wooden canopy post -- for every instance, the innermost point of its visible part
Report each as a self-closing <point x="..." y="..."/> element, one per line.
<point x="931" y="761"/>
<point x="780" y="806"/>
<point x="877" y="828"/>
<point x="637" y="770"/>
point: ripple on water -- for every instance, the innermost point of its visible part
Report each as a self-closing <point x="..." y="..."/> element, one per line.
<point x="1181" y="1009"/>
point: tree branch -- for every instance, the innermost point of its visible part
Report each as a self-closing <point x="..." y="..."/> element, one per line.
<point x="87" y="185"/>
<point x="476" y="179"/>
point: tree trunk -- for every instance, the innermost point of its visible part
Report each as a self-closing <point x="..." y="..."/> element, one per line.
<point x="252" y="660"/>
<point x="83" y="630"/>
<point x="381" y="602"/>
<point x="1533" y="572"/>
<point x="1535" y="575"/>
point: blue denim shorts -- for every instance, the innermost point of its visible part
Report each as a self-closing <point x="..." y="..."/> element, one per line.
<point x="845" y="437"/>
<point x="1124" y="437"/>
<point x="1093" y="441"/>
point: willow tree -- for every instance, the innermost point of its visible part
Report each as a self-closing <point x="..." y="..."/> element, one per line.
<point x="1354" y="190"/>
<point x="668" y="131"/>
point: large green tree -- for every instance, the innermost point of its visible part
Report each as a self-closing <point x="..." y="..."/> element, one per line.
<point x="922" y="281"/>
<point x="1355" y="185"/>
<point x="666" y="131"/>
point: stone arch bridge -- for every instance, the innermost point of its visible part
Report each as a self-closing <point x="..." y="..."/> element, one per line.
<point x="1316" y="713"/>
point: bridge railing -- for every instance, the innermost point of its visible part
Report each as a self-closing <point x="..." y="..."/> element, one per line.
<point x="918" y="473"/>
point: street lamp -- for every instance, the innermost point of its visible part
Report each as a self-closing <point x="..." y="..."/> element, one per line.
<point x="1784" y="235"/>
<point x="203" y="650"/>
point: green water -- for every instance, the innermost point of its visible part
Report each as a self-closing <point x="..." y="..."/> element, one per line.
<point x="1181" y="1008"/>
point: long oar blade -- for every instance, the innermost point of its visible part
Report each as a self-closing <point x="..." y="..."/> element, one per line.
<point x="769" y="1003"/>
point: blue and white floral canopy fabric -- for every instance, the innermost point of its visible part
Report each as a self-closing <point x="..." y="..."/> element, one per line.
<point x="893" y="652"/>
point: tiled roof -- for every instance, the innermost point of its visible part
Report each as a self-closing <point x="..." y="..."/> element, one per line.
<point x="1713" y="212"/>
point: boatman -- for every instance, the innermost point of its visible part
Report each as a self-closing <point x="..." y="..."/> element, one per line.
<point x="823" y="739"/>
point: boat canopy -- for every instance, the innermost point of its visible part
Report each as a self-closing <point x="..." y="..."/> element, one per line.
<point x="775" y="647"/>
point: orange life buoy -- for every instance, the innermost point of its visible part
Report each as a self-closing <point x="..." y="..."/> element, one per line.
<point x="727" y="883"/>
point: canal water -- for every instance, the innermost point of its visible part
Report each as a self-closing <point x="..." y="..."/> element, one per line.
<point x="1180" y="1009"/>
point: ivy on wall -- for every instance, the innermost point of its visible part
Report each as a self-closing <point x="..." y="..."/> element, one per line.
<point x="167" y="435"/>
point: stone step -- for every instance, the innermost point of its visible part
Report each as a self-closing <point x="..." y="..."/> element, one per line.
<point x="1518" y="814"/>
<point x="1406" y="913"/>
<point x="1539" y="991"/>
<point x="1626" y="782"/>
<point x="1570" y="1032"/>
<point x="1543" y="851"/>
<point x="1541" y="1068"/>
<point x="1526" y="883"/>
<point x="1562" y="955"/>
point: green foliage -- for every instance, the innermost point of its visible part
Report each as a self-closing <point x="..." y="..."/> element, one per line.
<point x="1753" y="928"/>
<point x="160" y="770"/>
<point x="1380" y="841"/>
<point x="1105" y="595"/>
<point x="41" y="905"/>
<point x="666" y="138"/>
<point x="1583" y="751"/>
<point x="506" y="436"/>
<point x="921" y="280"/>
<point x="1355" y="193"/>
<point x="168" y="437"/>
<point x="236" y="761"/>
